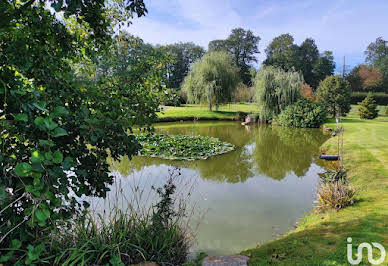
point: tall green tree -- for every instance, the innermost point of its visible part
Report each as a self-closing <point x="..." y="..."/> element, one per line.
<point x="184" y="56"/>
<point x="276" y="89"/>
<point x="309" y="56"/>
<point x="323" y="67"/>
<point x="212" y="80"/>
<point x="242" y="45"/>
<point x="55" y="130"/>
<point x="334" y="93"/>
<point x="377" y="56"/>
<point x="283" y="53"/>
<point x="377" y="52"/>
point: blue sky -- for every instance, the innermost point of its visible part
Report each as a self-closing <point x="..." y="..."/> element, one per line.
<point x="345" y="27"/>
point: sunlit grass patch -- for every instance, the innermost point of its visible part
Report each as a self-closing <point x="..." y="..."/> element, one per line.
<point x="199" y="112"/>
<point x="321" y="239"/>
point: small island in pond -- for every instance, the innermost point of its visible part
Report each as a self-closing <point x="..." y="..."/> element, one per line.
<point x="181" y="147"/>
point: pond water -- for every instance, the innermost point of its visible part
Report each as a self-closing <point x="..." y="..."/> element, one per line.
<point x="246" y="197"/>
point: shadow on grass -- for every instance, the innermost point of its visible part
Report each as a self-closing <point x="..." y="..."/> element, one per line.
<point x="223" y="112"/>
<point x="352" y="120"/>
<point x="325" y="244"/>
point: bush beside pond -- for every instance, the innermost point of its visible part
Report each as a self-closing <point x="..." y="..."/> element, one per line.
<point x="304" y="113"/>
<point x="181" y="147"/>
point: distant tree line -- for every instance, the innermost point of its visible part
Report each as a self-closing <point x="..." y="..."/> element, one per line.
<point x="242" y="46"/>
<point x="373" y="75"/>
<point x="283" y="53"/>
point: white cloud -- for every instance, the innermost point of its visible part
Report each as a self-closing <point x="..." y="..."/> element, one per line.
<point x="211" y="20"/>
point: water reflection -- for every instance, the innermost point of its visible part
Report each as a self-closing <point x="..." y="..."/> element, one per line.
<point x="260" y="149"/>
<point x="250" y="195"/>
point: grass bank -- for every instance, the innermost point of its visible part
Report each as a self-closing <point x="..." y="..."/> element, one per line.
<point x="189" y="112"/>
<point x="321" y="239"/>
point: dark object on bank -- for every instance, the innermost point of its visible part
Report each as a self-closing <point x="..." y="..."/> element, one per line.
<point x="329" y="157"/>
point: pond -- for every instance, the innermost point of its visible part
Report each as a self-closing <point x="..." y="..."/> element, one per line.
<point x="248" y="196"/>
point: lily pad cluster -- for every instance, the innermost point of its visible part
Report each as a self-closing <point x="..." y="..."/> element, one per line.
<point x="181" y="147"/>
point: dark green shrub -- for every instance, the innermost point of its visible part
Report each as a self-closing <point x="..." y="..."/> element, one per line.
<point x="381" y="98"/>
<point x="303" y="113"/>
<point x="386" y="110"/>
<point x="334" y="93"/>
<point x="368" y="108"/>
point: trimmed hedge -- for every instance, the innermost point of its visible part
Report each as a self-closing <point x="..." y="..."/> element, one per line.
<point x="381" y="98"/>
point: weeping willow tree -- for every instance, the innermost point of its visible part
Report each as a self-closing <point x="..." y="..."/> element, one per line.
<point x="276" y="89"/>
<point x="212" y="80"/>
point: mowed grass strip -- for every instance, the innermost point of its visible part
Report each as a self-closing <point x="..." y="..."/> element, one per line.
<point x="201" y="112"/>
<point x="321" y="239"/>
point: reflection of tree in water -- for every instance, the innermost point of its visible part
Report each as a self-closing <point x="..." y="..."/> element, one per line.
<point x="233" y="167"/>
<point x="280" y="150"/>
<point x="274" y="151"/>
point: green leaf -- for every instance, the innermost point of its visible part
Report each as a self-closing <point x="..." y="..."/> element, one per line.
<point x="37" y="182"/>
<point x="49" y="123"/>
<point x="16" y="244"/>
<point x="23" y="169"/>
<point x="60" y="111"/>
<point x="68" y="163"/>
<point x="36" y="157"/>
<point x="48" y="155"/>
<point x="6" y="257"/>
<point x="46" y="143"/>
<point x="57" y="157"/>
<point x="33" y="253"/>
<point x="21" y="117"/>
<point x="39" y="121"/>
<point x="59" y="132"/>
<point x="116" y="261"/>
<point x="41" y="106"/>
<point x="42" y="215"/>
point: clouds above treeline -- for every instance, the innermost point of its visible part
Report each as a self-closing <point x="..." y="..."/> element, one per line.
<point x="345" y="27"/>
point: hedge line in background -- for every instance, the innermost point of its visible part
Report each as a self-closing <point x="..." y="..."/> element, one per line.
<point x="381" y="98"/>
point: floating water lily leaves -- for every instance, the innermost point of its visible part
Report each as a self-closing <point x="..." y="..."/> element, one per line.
<point x="181" y="147"/>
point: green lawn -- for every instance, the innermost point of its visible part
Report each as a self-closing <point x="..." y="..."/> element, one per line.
<point x="198" y="112"/>
<point x="322" y="239"/>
